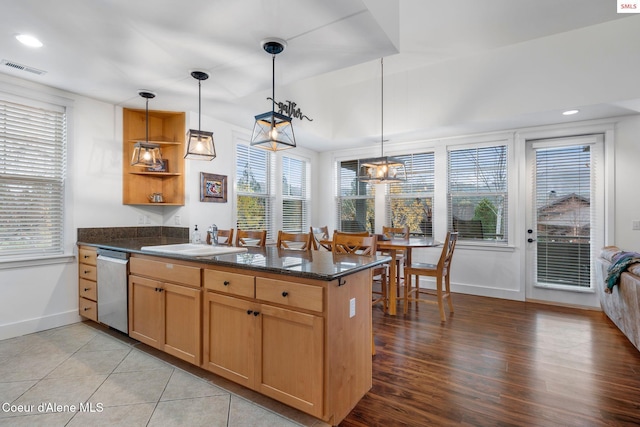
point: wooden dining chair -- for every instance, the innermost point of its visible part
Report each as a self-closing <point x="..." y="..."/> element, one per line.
<point x="225" y="237"/>
<point x="298" y="241"/>
<point x="364" y="245"/>
<point x="397" y="233"/>
<point x="441" y="271"/>
<point x="319" y="234"/>
<point x="251" y="238"/>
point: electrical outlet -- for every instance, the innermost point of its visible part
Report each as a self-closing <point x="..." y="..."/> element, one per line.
<point x="177" y="220"/>
<point x="147" y="219"/>
<point x="635" y="225"/>
<point x="140" y="219"/>
<point x="352" y="307"/>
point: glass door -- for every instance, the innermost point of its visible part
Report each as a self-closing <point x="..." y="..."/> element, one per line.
<point x="564" y="221"/>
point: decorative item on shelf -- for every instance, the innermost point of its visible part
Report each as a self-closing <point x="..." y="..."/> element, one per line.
<point x="273" y="131"/>
<point x="383" y="169"/>
<point x="200" y="142"/>
<point x="146" y="154"/>
<point x="162" y="166"/>
<point x="213" y="188"/>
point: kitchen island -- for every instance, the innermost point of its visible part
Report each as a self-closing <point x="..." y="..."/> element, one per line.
<point x="295" y="326"/>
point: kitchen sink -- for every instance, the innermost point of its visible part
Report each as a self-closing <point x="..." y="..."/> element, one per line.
<point x="192" y="249"/>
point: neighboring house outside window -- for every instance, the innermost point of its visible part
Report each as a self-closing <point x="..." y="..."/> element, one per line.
<point x="33" y="142"/>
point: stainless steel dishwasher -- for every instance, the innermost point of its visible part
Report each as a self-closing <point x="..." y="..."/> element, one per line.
<point x="113" y="272"/>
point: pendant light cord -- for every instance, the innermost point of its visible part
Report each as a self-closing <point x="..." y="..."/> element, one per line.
<point x="273" y="87"/>
<point x="381" y="107"/>
<point x="199" y="106"/>
<point x="147" y="120"/>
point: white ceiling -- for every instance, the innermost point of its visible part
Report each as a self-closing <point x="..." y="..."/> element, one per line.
<point x="109" y="49"/>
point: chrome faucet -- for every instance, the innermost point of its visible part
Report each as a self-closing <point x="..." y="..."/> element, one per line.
<point x="212" y="235"/>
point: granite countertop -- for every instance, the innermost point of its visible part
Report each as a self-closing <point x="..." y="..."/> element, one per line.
<point x="320" y="265"/>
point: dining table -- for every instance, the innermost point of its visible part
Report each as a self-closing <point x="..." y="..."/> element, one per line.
<point x="394" y="246"/>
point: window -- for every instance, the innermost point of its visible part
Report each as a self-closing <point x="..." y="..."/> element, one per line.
<point x="355" y="200"/>
<point x="295" y="216"/>
<point x="254" y="188"/>
<point x="411" y="202"/>
<point x="477" y="193"/>
<point x="32" y="179"/>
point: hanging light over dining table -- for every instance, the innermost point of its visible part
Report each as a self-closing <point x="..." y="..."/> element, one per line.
<point x="200" y="144"/>
<point x="383" y="169"/>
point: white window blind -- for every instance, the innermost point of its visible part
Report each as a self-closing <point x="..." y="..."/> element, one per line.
<point x="295" y="195"/>
<point x="356" y="200"/>
<point x="564" y="212"/>
<point x="477" y="193"/>
<point x="32" y="180"/>
<point x="254" y="189"/>
<point x="411" y="202"/>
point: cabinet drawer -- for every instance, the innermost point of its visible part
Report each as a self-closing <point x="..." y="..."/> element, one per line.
<point x="87" y="255"/>
<point x="293" y="294"/>
<point x="229" y="283"/>
<point x="88" y="309"/>
<point x="88" y="289"/>
<point x="87" y="271"/>
<point x="165" y="271"/>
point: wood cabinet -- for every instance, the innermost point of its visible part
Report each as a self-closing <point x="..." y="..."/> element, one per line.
<point x="87" y="281"/>
<point x="165" y="300"/>
<point x="291" y="339"/>
<point x="167" y="129"/>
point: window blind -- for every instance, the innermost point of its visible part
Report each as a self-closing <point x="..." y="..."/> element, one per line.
<point x="295" y="195"/>
<point x="477" y="193"/>
<point x="254" y="189"/>
<point x="411" y="202"/>
<point x="32" y="180"/>
<point x="356" y="200"/>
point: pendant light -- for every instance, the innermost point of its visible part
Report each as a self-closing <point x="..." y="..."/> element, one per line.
<point x="199" y="142"/>
<point x="273" y="131"/>
<point x="383" y="169"/>
<point x="146" y="154"/>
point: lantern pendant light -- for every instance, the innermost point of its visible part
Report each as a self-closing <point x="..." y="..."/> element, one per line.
<point x="146" y="154"/>
<point x="199" y="142"/>
<point x="273" y="131"/>
<point x="383" y="169"/>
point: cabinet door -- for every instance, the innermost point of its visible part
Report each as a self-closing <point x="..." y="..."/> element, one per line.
<point x="292" y="358"/>
<point x="182" y="333"/>
<point x="146" y="320"/>
<point x="230" y="328"/>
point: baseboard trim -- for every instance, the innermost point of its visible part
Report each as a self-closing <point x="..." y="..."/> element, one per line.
<point x="30" y="326"/>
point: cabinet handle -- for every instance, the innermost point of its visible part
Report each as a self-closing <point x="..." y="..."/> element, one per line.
<point x="226" y="283"/>
<point x="87" y="308"/>
<point x="86" y="289"/>
<point x="256" y="313"/>
<point x="285" y="293"/>
<point x="86" y="256"/>
<point x="86" y="272"/>
<point x="249" y="311"/>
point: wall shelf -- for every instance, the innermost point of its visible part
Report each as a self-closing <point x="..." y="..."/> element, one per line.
<point x="167" y="129"/>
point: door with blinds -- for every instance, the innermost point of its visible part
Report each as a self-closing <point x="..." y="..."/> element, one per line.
<point x="565" y="224"/>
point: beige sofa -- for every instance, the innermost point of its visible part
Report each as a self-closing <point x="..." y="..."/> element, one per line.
<point x="622" y="305"/>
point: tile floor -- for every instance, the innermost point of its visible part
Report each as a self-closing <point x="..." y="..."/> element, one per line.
<point x="115" y="381"/>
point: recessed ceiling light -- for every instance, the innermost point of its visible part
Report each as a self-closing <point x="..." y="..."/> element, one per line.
<point x="570" y="112"/>
<point x="28" y="40"/>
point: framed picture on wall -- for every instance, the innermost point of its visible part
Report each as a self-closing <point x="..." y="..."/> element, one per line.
<point x="213" y="188"/>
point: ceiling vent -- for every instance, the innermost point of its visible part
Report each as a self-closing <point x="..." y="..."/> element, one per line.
<point x="21" y="67"/>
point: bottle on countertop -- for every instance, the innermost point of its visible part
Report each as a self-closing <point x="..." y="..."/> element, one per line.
<point x="195" y="237"/>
